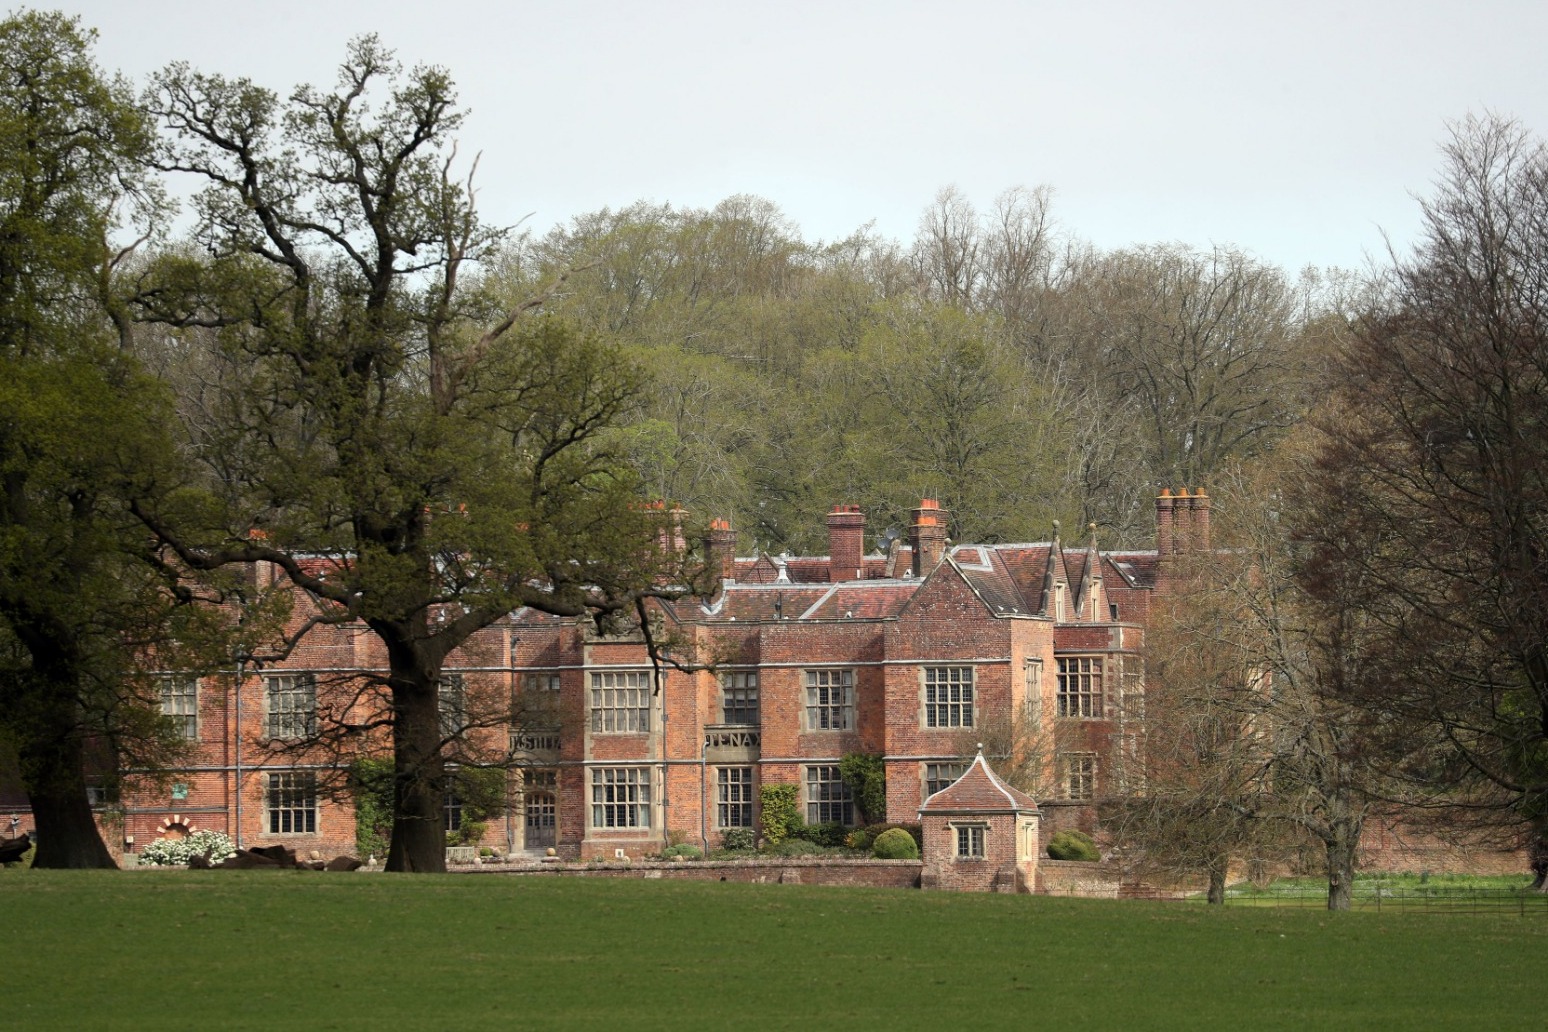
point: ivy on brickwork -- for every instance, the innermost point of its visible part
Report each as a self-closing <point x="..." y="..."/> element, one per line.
<point x="781" y="812"/>
<point x="866" y="776"/>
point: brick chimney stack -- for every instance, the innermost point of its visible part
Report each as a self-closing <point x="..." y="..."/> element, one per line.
<point x="846" y="543"/>
<point x="722" y="549"/>
<point x="1165" y="522"/>
<point x="1198" y="524"/>
<point x="1182" y="521"/>
<point x="927" y="536"/>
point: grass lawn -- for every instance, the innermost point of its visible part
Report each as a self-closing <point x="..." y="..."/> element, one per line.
<point x="168" y="950"/>
<point x="1384" y="891"/>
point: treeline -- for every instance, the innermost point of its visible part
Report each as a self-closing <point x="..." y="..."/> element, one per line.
<point x="994" y="362"/>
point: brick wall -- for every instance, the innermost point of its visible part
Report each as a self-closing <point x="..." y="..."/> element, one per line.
<point x="996" y="871"/>
<point x="876" y="874"/>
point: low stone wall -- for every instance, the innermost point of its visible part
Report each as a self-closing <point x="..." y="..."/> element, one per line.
<point x="1077" y="878"/>
<point x="877" y="874"/>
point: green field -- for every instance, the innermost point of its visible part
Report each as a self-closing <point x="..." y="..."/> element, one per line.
<point x="169" y="950"/>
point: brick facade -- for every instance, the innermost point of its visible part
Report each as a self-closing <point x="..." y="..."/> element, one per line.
<point x="916" y="655"/>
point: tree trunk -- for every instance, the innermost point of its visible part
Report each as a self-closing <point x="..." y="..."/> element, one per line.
<point x="1537" y="856"/>
<point x="1217" y="879"/>
<point x="67" y="835"/>
<point x="419" y="804"/>
<point x="1341" y="863"/>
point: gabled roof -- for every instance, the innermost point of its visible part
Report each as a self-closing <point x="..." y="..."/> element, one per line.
<point x="979" y="790"/>
<point x="985" y="570"/>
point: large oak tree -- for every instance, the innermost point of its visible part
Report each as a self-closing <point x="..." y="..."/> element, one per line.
<point x="415" y="451"/>
<point x="82" y="613"/>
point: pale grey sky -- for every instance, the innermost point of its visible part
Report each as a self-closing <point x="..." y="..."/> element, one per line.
<point x="1295" y="131"/>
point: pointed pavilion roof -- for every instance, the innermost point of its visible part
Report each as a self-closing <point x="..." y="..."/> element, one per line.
<point x="978" y="790"/>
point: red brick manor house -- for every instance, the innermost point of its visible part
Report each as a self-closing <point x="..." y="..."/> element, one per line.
<point x="916" y="654"/>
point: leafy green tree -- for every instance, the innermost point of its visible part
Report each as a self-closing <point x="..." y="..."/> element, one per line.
<point x="411" y="448"/>
<point x="81" y="430"/>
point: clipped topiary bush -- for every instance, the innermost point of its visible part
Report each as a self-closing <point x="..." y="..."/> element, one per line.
<point x="1073" y="845"/>
<point x="895" y="844"/>
<point x="864" y="838"/>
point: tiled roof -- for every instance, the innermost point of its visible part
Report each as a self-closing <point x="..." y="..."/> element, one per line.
<point x="1138" y="568"/>
<point x="989" y="576"/>
<point x="979" y="790"/>
<point x="863" y="600"/>
<point x="743" y="603"/>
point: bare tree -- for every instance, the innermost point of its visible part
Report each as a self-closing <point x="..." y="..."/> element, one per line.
<point x="1431" y="493"/>
<point x="1203" y="344"/>
<point x="1252" y="735"/>
<point x="948" y="250"/>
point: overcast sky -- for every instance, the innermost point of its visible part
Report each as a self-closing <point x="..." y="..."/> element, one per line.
<point x="1299" y="132"/>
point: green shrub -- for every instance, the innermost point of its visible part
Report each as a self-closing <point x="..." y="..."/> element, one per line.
<point x="781" y="812"/>
<point x="469" y="834"/>
<point x="864" y="838"/>
<point x="1072" y="845"/>
<point x="866" y="776"/>
<point x="370" y="781"/>
<point x="795" y="847"/>
<point x="895" y="844"/>
<point x="481" y="791"/>
<point x="684" y="850"/>
<point x="738" y="839"/>
<point x="828" y="834"/>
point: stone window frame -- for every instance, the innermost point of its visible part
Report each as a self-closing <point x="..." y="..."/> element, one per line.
<point x="933" y="773"/>
<point x="620" y="798"/>
<point x="830" y="699"/>
<point x="451" y="704"/>
<point x="1033" y="702"/>
<point x="541" y="681"/>
<point x="291" y="803"/>
<point x="947" y="696"/>
<point x="739" y="697"/>
<point x="620" y="702"/>
<point x="1082" y="687"/>
<point x="180" y="704"/>
<point x="734" y="797"/>
<point x="290" y="705"/>
<point x="971" y="840"/>
<point x="828" y="799"/>
<point x="1079" y="776"/>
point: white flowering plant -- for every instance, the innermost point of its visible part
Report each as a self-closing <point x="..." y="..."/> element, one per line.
<point x="213" y="846"/>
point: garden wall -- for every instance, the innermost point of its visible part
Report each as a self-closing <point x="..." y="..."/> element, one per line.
<point x="1077" y="878"/>
<point x="876" y="874"/>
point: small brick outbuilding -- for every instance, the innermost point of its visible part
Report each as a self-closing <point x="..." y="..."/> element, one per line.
<point x="980" y="835"/>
